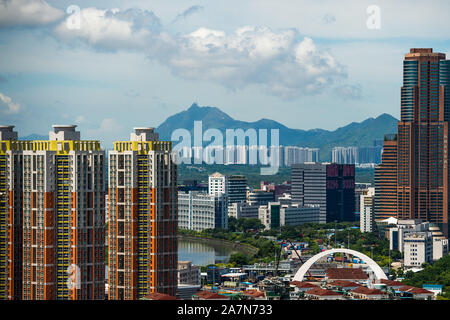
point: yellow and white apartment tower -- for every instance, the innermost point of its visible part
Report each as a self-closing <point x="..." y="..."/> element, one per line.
<point x="10" y="214"/>
<point x="143" y="217"/>
<point x="63" y="217"/>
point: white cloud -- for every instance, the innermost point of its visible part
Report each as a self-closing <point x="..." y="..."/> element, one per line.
<point x="188" y="12"/>
<point x="8" y="106"/>
<point x="349" y="91"/>
<point x="110" y="29"/>
<point x="281" y="61"/>
<point x="27" y="13"/>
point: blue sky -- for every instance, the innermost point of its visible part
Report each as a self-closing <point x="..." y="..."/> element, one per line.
<point x="305" y="63"/>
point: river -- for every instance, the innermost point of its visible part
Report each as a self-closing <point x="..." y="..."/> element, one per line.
<point x="203" y="254"/>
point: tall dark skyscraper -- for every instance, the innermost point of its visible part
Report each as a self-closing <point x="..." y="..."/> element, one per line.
<point x="422" y="138"/>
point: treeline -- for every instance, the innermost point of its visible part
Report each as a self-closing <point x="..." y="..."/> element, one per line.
<point x="437" y="273"/>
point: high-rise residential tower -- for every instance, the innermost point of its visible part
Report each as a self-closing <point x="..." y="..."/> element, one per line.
<point x="11" y="203"/>
<point x="422" y="138"/>
<point x="143" y="245"/>
<point x="63" y="218"/>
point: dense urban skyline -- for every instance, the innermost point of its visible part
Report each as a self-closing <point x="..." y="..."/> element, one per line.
<point x="94" y="212"/>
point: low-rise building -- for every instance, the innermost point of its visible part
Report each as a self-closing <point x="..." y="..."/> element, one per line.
<point x="254" y="295"/>
<point x="243" y="210"/>
<point x="260" y="197"/>
<point x="440" y="248"/>
<point x="343" y="285"/>
<point x="275" y="214"/>
<point x="322" y="294"/>
<point x="365" y="293"/>
<point x="301" y="286"/>
<point x="188" y="273"/>
<point x="417" y="293"/>
<point x="349" y="274"/>
<point x="417" y="249"/>
<point x="158" y="296"/>
<point x="209" y="295"/>
<point x="391" y="284"/>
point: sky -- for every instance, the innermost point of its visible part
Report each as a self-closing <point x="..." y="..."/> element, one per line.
<point x="110" y="66"/>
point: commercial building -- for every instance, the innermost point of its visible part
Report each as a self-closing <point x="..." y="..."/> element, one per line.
<point x="296" y="215"/>
<point x="367" y="219"/>
<point x="217" y="184"/>
<point x="331" y="186"/>
<point x="385" y="202"/>
<point x="236" y="189"/>
<point x="143" y="256"/>
<point x="397" y="232"/>
<point x="431" y="240"/>
<point x="422" y="139"/>
<point x="278" y="189"/>
<point x="417" y="249"/>
<point x="63" y="218"/>
<point x="275" y="214"/>
<point x="243" y="210"/>
<point x="199" y="211"/>
<point x="11" y="204"/>
<point x="260" y="197"/>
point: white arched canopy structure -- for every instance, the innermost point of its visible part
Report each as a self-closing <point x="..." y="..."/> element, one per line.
<point x="378" y="272"/>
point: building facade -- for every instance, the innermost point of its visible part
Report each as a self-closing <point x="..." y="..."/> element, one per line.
<point x="199" y="211"/>
<point x="11" y="204"/>
<point x="237" y="189"/>
<point x="367" y="219"/>
<point x="143" y="247"/>
<point x="422" y="144"/>
<point x="63" y="218"/>
<point x="331" y="186"/>
<point x="385" y="204"/>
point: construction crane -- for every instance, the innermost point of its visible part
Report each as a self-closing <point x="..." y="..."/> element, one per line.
<point x="298" y="255"/>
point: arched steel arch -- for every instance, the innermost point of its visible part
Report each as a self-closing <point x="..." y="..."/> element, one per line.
<point x="378" y="272"/>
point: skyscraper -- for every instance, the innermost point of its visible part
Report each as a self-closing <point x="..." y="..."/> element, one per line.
<point x="237" y="189"/>
<point x="422" y="140"/>
<point x="11" y="203"/>
<point x="143" y="245"/>
<point x="385" y="203"/>
<point x="331" y="186"/>
<point x="63" y="218"/>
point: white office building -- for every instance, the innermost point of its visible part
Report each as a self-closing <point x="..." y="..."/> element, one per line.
<point x="199" y="211"/>
<point x="366" y="210"/>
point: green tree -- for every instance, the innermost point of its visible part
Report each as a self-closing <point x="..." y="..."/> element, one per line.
<point x="239" y="259"/>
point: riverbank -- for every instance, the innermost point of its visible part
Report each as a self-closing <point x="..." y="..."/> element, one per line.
<point x="239" y="247"/>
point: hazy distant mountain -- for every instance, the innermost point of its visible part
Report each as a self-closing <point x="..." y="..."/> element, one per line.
<point x="354" y="134"/>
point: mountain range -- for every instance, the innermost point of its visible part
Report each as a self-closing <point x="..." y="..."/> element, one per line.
<point x="356" y="134"/>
